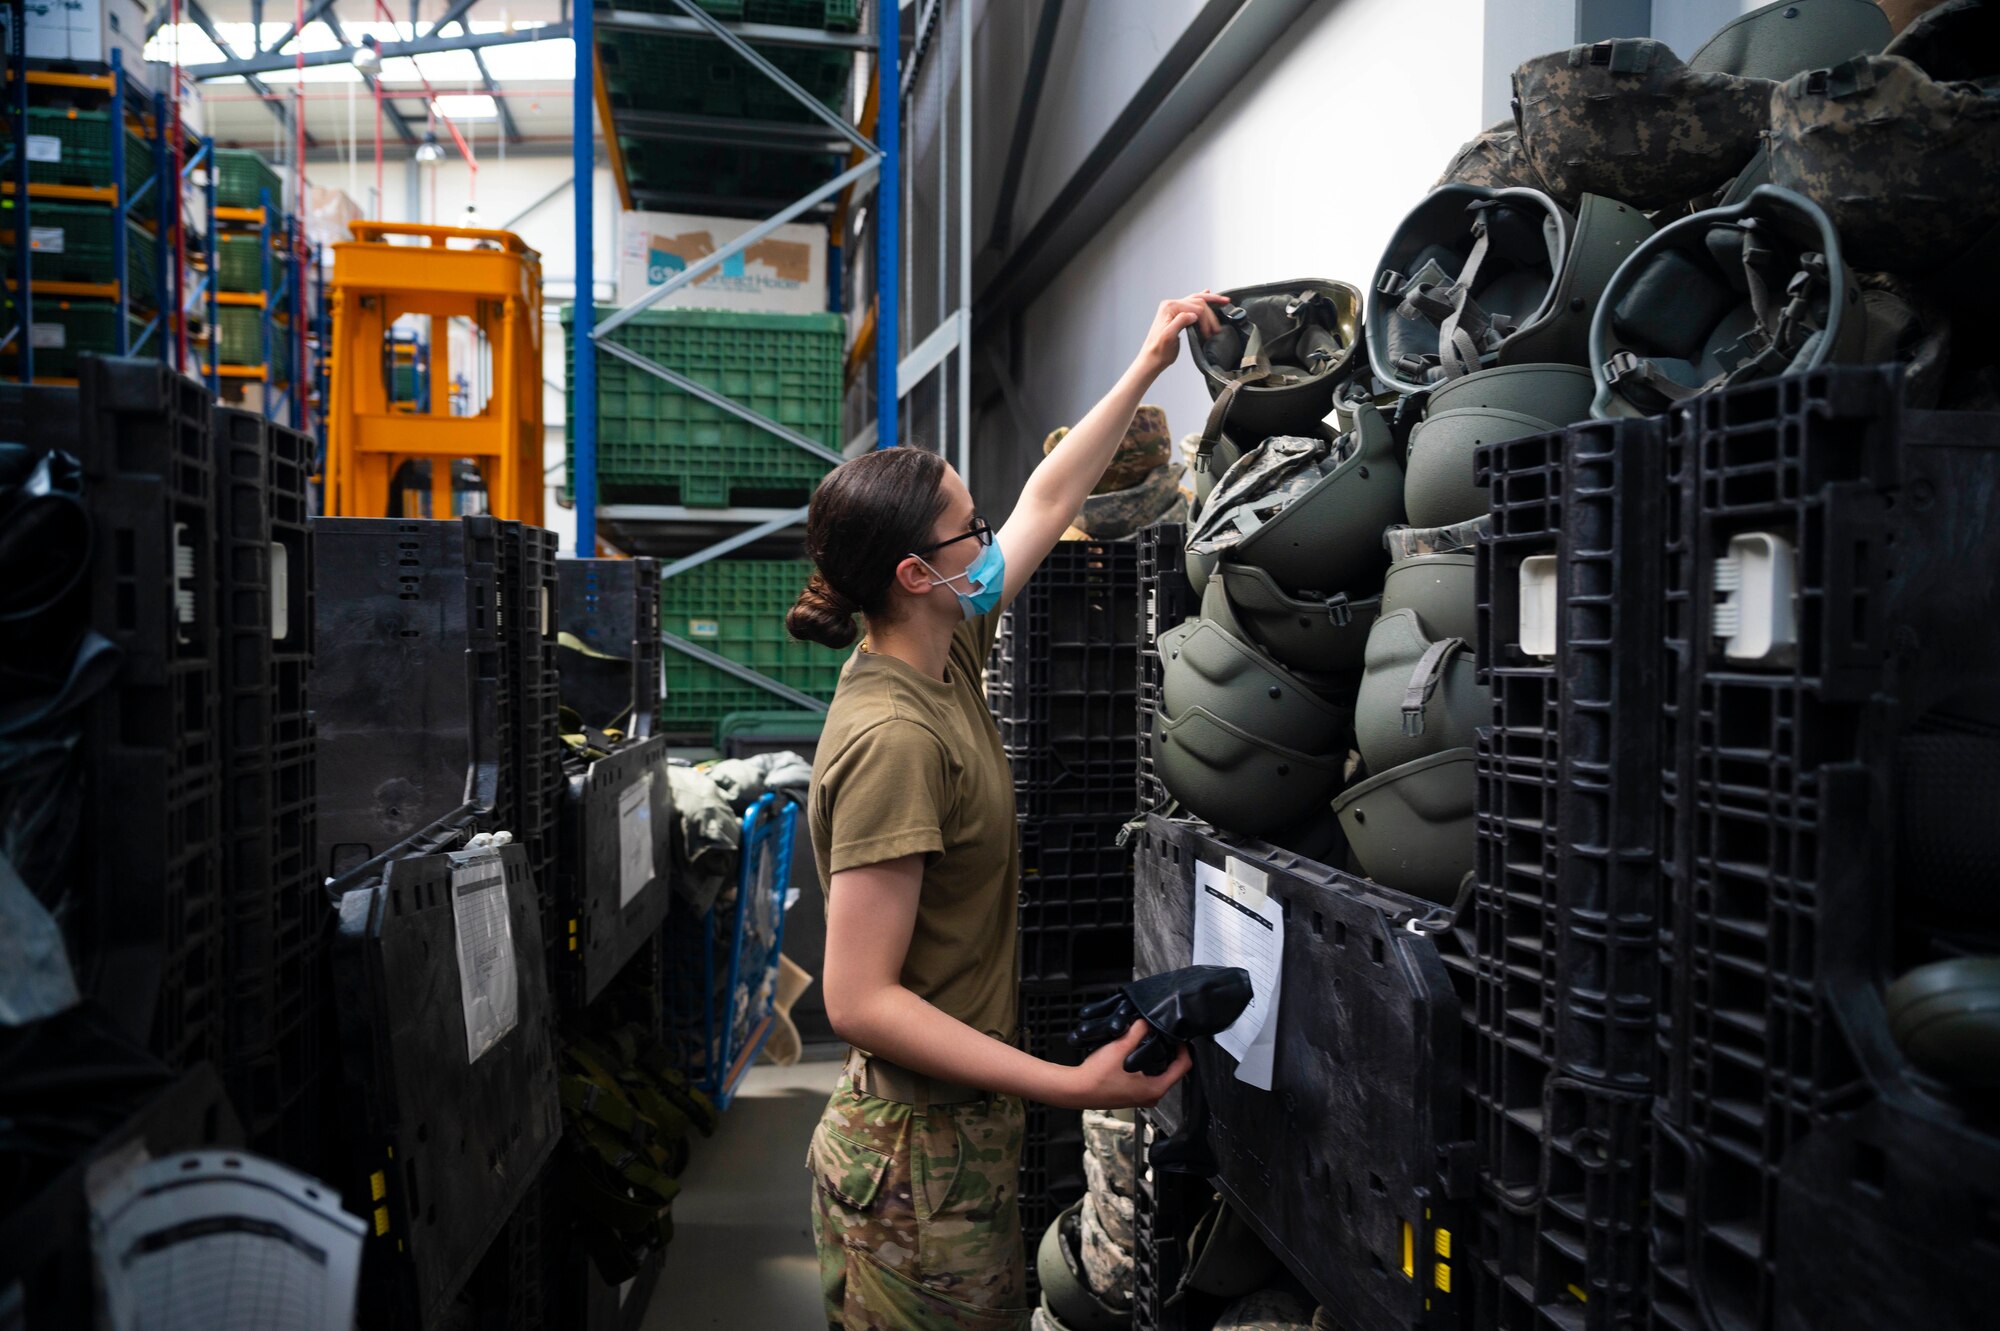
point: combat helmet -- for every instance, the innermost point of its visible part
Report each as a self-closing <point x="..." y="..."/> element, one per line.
<point x="1627" y="119"/>
<point x="1283" y="349"/>
<point x="1903" y="163"/>
<point x="1440" y="482"/>
<point x="1312" y="630"/>
<point x="1946" y="1018"/>
<point x="1316" y="530"/>
<point x="1419" y="696"/>
<point x="1432" y="571"/>
<point x="1782" y="39"/>
<point x="1210" y="664"/>
<point x="1729" y="295"/>
<point x="1411" y="827"/>
<point x="1065" y="1292"/>
<point x="1475" y="277"/>
<point x="1235" y="780"/>
<point x="1225" y="1257"/>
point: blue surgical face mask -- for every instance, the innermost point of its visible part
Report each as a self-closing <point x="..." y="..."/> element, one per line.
<point x="986" y="577"/>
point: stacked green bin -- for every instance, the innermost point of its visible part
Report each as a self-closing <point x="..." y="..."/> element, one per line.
<point x="243" y="340"/>
<point x="658" y="444"/>
<point x="64" y="331"/>
<point x="74" y="148"/>
<point x="696" y="75"/>
<point x="242" y="179"/>
<point x="241" y="265"/>
<point x="73" y="244"/>
<point x="736" y="608"/>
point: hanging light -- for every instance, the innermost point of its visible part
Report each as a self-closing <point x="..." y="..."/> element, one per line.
<point x="428" y="152"/>
<point x="367" y="56"/>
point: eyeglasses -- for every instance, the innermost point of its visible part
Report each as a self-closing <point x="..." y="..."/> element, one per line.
<point x="982" y="531"/>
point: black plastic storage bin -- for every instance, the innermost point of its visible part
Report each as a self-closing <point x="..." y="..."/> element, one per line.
<point x="1829" y="821"/>
<point x="152" y="827"/>
<point x="1353" y="1168"/>
<point x="527" y="630"/>
<point x="446" y="1137"/>
<point x="1063" y="683"/>
<point x="1164" y="1210"/>
<point x="1076" y="902"/>
<point x="277" y="923"/>
<point x="1165" y="602"/>
<point x="617" y="819"/>
<point x="608" y="613"/>
<point x="408" y="688"/>
<point x="1052" y="1145"/>
<point x="1569" y="894"/>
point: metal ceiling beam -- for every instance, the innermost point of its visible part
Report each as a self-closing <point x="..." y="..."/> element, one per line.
<point x="313" y="11"/>
<point x="268" y="98"/>
<point x="1002" y="233"/>
<point x="457" y="15"/>
<point x="344" y="54"/>
<point x="763" y="34"/>
<point x="1209" y="60"/>
<point x="397" y="120"/>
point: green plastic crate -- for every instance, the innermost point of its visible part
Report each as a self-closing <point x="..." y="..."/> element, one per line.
<point x="240" y="264"/>
<point x="403" y="383"/>
<point x="82" y="144"/>
<point x="835" y="15"/>
<point x="736" y="608"/>
<point x="700" y="76"/>
<point x="243" y="340"/>
<point x="240" y="178"/>
<point x="765" y="178"/>
<point x="657" y="443"/>
<point x="85" y="247"/>
<point x="84" y="327"/>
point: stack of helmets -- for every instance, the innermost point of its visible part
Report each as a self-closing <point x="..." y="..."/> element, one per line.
<point x="1086" y="1256"/>
<point x="1257" y="691"/>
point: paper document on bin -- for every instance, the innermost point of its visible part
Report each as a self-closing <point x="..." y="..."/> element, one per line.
<point x="635" y="839"/>
<point x="1237" y="924"/>
<point x="489" y="985"/>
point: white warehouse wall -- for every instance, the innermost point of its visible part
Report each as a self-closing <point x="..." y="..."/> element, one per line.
<point x="1335" y="134"/>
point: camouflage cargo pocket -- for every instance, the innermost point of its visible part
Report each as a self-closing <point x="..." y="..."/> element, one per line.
<point x="846" y="1170"/>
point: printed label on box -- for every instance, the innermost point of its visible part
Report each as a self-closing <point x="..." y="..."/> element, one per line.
<point x="44" y="148"/>
<point x="489" y="985"/>
<point x="635" y="839"/>
<point x="45" y="239"/>
<point x="704" y="628"/>
<point x="48" y="337"/>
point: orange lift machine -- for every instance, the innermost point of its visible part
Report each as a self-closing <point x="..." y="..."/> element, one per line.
<point x="491" y="282"/>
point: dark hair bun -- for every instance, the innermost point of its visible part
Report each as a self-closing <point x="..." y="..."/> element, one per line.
<point x="822" y="615"/>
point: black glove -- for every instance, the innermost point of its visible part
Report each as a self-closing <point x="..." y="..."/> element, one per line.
<point x="1175" y="1005"/>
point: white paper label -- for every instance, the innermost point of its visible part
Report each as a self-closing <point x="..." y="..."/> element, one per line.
<point x="489" y="985"/>
<point x="52" y="337"/>
<point x="635" y="839"/>
<point x="44" y="148"/>
<point x="1237" y="924"/>
<point x="45" y="239"/>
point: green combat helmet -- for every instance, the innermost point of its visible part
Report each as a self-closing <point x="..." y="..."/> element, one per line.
<point x="1311" y="631"/>
<point x="1475" y="277"/>
<point x="1066" y="1294"/>
<point x="1225" y="1258"/>
<point x="1266" y="1310"/>
<point x="1733" y="294"/>
<point x="1419" y="696"/>
<point x="1627" y="119"/>
<point x="1236" y="781"/>
<point x="1308" y="516"/>
<point x="1411" y="827"/>
<point x="1946" y="1018"/>
<point x="1431" y="571"/>
<point x="1283" y="349"/>
<point x="1209" y="663"/>
<point x="1782" y="39"/>
<point x="1903" y="164"/>
<point x="1505" y="402"/>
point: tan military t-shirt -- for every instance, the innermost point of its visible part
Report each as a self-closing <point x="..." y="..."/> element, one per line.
<point x="911" y="765"/>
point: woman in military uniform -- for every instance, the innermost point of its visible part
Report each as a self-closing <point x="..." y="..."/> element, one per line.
<point x="916" y="1160"/>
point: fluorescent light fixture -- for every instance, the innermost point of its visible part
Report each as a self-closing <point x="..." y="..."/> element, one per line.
<point x="465" y="106"/>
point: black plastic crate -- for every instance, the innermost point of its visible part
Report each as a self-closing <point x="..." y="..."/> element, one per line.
<point x="1063" y="683"/>
<point x="152" y="832"/>
<point x="1353" y="1168"/>
<point x="603" y="920"/>
<point x="1052" y="1145"/>
<point x="1165" y="601"/>
<point x="527" y="625"/>
<point x="446" y="1141"/>
<point x="275" y="958"/>
<point x="1164" y="1210"/>
<point x="1076" y="902"/>
<point x="611" y="609"/>
<point x="408" y="687"/>
<point x="1796" y="871"/>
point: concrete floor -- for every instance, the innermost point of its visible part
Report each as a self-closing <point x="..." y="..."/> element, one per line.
<point x="742" y="1254"/>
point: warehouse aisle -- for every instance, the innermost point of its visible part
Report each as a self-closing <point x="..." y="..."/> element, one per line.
<point x="742" y="1254"/>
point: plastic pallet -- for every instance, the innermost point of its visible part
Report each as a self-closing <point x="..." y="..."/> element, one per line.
<point x="736" y="608"/>
<point x="275" y="957"/>
<point x="444" y="1146"/>
<point x="1353" y="1168"/>
<point x="1052" y="1144"/>
<point x="604" y="921"/>
<point x="1076" y="902"/>
<point x="612" y="607"/>
<point x="1063" y="682"/>
<point x="1795" y="889"/>
<point x="408" y="687"/>
<point x="1165" y="601"/>
<point x="153" y="826"/>
<point x="658" y="443"/>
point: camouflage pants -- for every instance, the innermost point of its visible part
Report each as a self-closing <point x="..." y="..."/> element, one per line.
<point x="916" y="1214"/>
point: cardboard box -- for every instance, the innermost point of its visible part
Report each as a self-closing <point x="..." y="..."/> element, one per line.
<point x="784" y="273"/>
